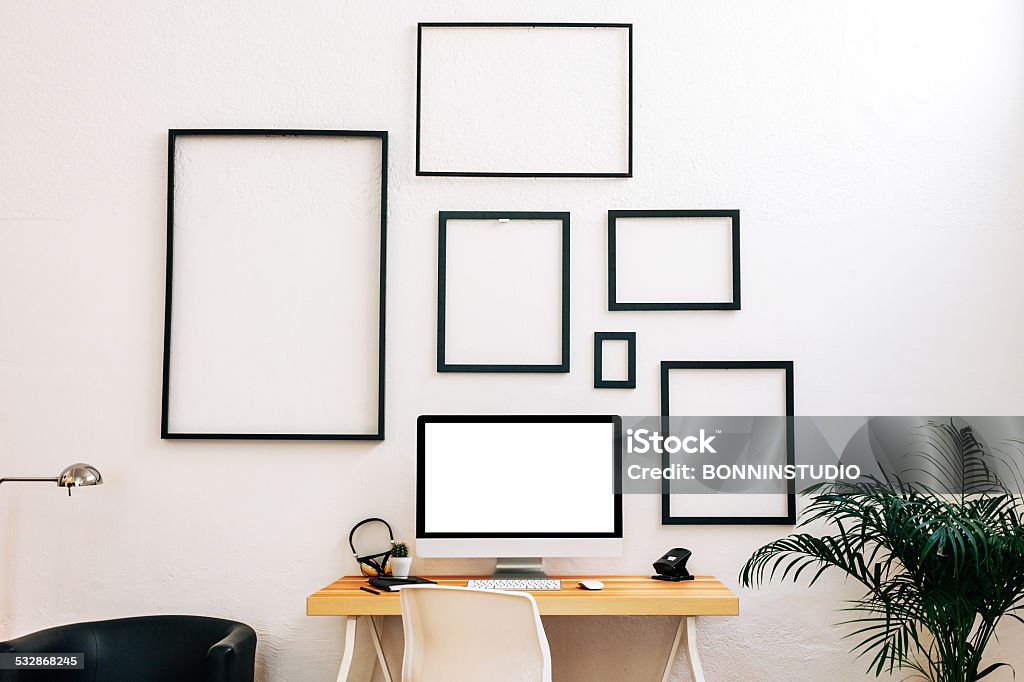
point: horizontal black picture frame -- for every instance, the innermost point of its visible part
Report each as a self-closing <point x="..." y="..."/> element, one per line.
<point x="615" y="304"/>
<point x="599" y="339"/>
<point x="443" y="217"/>
<point x="420" y="171"/>
<point x="666" y="513"/>
<point x="376" y="435"/>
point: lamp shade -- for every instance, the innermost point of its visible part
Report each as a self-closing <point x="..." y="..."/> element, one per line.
<point x="78" y="475"/>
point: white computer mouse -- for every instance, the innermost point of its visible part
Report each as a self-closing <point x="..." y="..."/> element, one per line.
<point x="592" y="584"/>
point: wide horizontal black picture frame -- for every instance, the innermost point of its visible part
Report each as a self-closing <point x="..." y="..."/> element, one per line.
<point x="172" y="136"/>
<point x="443" y="218"/>
<point x="421" y="458"/>
<point x="732" y="214"/>
<point x="599" y="339"/>
<point x="666" y="513"/>
<point x="628" y="173"/>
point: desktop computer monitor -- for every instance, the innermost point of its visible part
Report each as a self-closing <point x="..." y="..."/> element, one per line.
<point x="519" y="488"/>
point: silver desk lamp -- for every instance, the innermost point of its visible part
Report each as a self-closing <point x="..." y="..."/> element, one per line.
<point x="71" y="477"/>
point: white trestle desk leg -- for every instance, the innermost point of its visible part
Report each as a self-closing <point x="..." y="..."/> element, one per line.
<point x="688" y="625"/>
<point x="691" y="649"/>
<point x="380" y="651"/>
<point x="350" y="645"/>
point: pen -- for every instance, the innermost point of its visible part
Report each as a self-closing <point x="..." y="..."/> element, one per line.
<point x="367" y="589"/>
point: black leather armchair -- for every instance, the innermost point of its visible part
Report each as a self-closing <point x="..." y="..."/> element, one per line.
<point x="143" y="649"/>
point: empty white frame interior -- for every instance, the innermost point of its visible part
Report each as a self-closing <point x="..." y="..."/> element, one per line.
<point x="276" y="285"/>
<point x="615" y="360"/>
<point x="503" y="292"/>
<point x="673" y="260"/>
<point x="524" y="100"/>
<point x="729" y="393"/>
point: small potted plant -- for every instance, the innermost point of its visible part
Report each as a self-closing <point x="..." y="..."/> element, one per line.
<point x="401" y="562"/>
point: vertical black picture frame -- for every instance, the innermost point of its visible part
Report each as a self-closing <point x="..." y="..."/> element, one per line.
<point x="443" y="217"/>
<point x="615" y="304"/>
<point x="599" y="339"/>
<point x="420" y="171"/>
<point x="172" y="137"/>
<point x="666" y="514"/>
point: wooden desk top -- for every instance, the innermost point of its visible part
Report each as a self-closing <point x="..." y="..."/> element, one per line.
<point x="621" y="596"/>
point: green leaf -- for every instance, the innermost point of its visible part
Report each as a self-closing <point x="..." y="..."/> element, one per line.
<point x="992" y="668"/>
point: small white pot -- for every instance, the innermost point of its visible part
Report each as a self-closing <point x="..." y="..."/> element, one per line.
<point x="400" y="566"/>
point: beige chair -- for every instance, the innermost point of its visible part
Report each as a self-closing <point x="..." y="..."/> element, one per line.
<point x="456" y="634"/>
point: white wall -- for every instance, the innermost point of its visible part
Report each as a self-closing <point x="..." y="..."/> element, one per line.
<point x="875" y="149"/>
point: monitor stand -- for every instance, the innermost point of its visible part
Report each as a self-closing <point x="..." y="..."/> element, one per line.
<point x="520" y="568"/>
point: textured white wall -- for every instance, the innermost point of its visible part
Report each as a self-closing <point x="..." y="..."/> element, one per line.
<point x="875" y="149"/>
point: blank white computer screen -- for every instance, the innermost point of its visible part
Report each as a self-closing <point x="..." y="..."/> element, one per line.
<point x="518" y="477"/>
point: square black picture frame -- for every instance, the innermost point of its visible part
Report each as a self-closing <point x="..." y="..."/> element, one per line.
<point x="628" y="173"/>
<point x="666" y="514"/>
<point x="172" y="136"/>
<point x="599" y="339"/>
<point x="732" y="214"/>
<point x="443" y="218"/>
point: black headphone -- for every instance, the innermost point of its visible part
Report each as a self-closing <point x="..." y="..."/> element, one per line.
<point x="372" y="564"/>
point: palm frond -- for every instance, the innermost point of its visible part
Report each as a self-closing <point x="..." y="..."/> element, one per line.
<point x="940" y="561"/>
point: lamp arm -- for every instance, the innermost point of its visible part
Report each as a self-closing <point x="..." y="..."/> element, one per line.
<point x="17" y="479"/>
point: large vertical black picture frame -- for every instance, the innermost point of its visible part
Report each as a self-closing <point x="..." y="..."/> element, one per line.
<point x="615" y="304"/>
<point x="173" y="136"/>
<point x="442" y="263"/>
<point x="627" y="173"/>
<point x="666" y="514"/>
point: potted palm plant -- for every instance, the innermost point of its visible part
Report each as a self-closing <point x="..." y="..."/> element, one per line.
<point x="939" y="565"/>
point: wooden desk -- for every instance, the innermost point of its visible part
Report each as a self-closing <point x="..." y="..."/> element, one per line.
<point x="621" y="596"/>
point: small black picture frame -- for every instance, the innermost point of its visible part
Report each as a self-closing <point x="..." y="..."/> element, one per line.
<point x="732" y="214"/>
<point x="443" y="217"/>
<point x="420" y="171"/>
<point x="599" y="339"/>
<point x="165" y="429"/>
<point x="666" y="513"/>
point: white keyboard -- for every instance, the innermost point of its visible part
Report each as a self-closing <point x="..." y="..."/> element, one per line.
<point x="528" y="585"/>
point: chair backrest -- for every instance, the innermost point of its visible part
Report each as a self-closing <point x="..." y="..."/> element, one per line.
<point x="144" y="648"/>
<point x="456" y="634"/>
